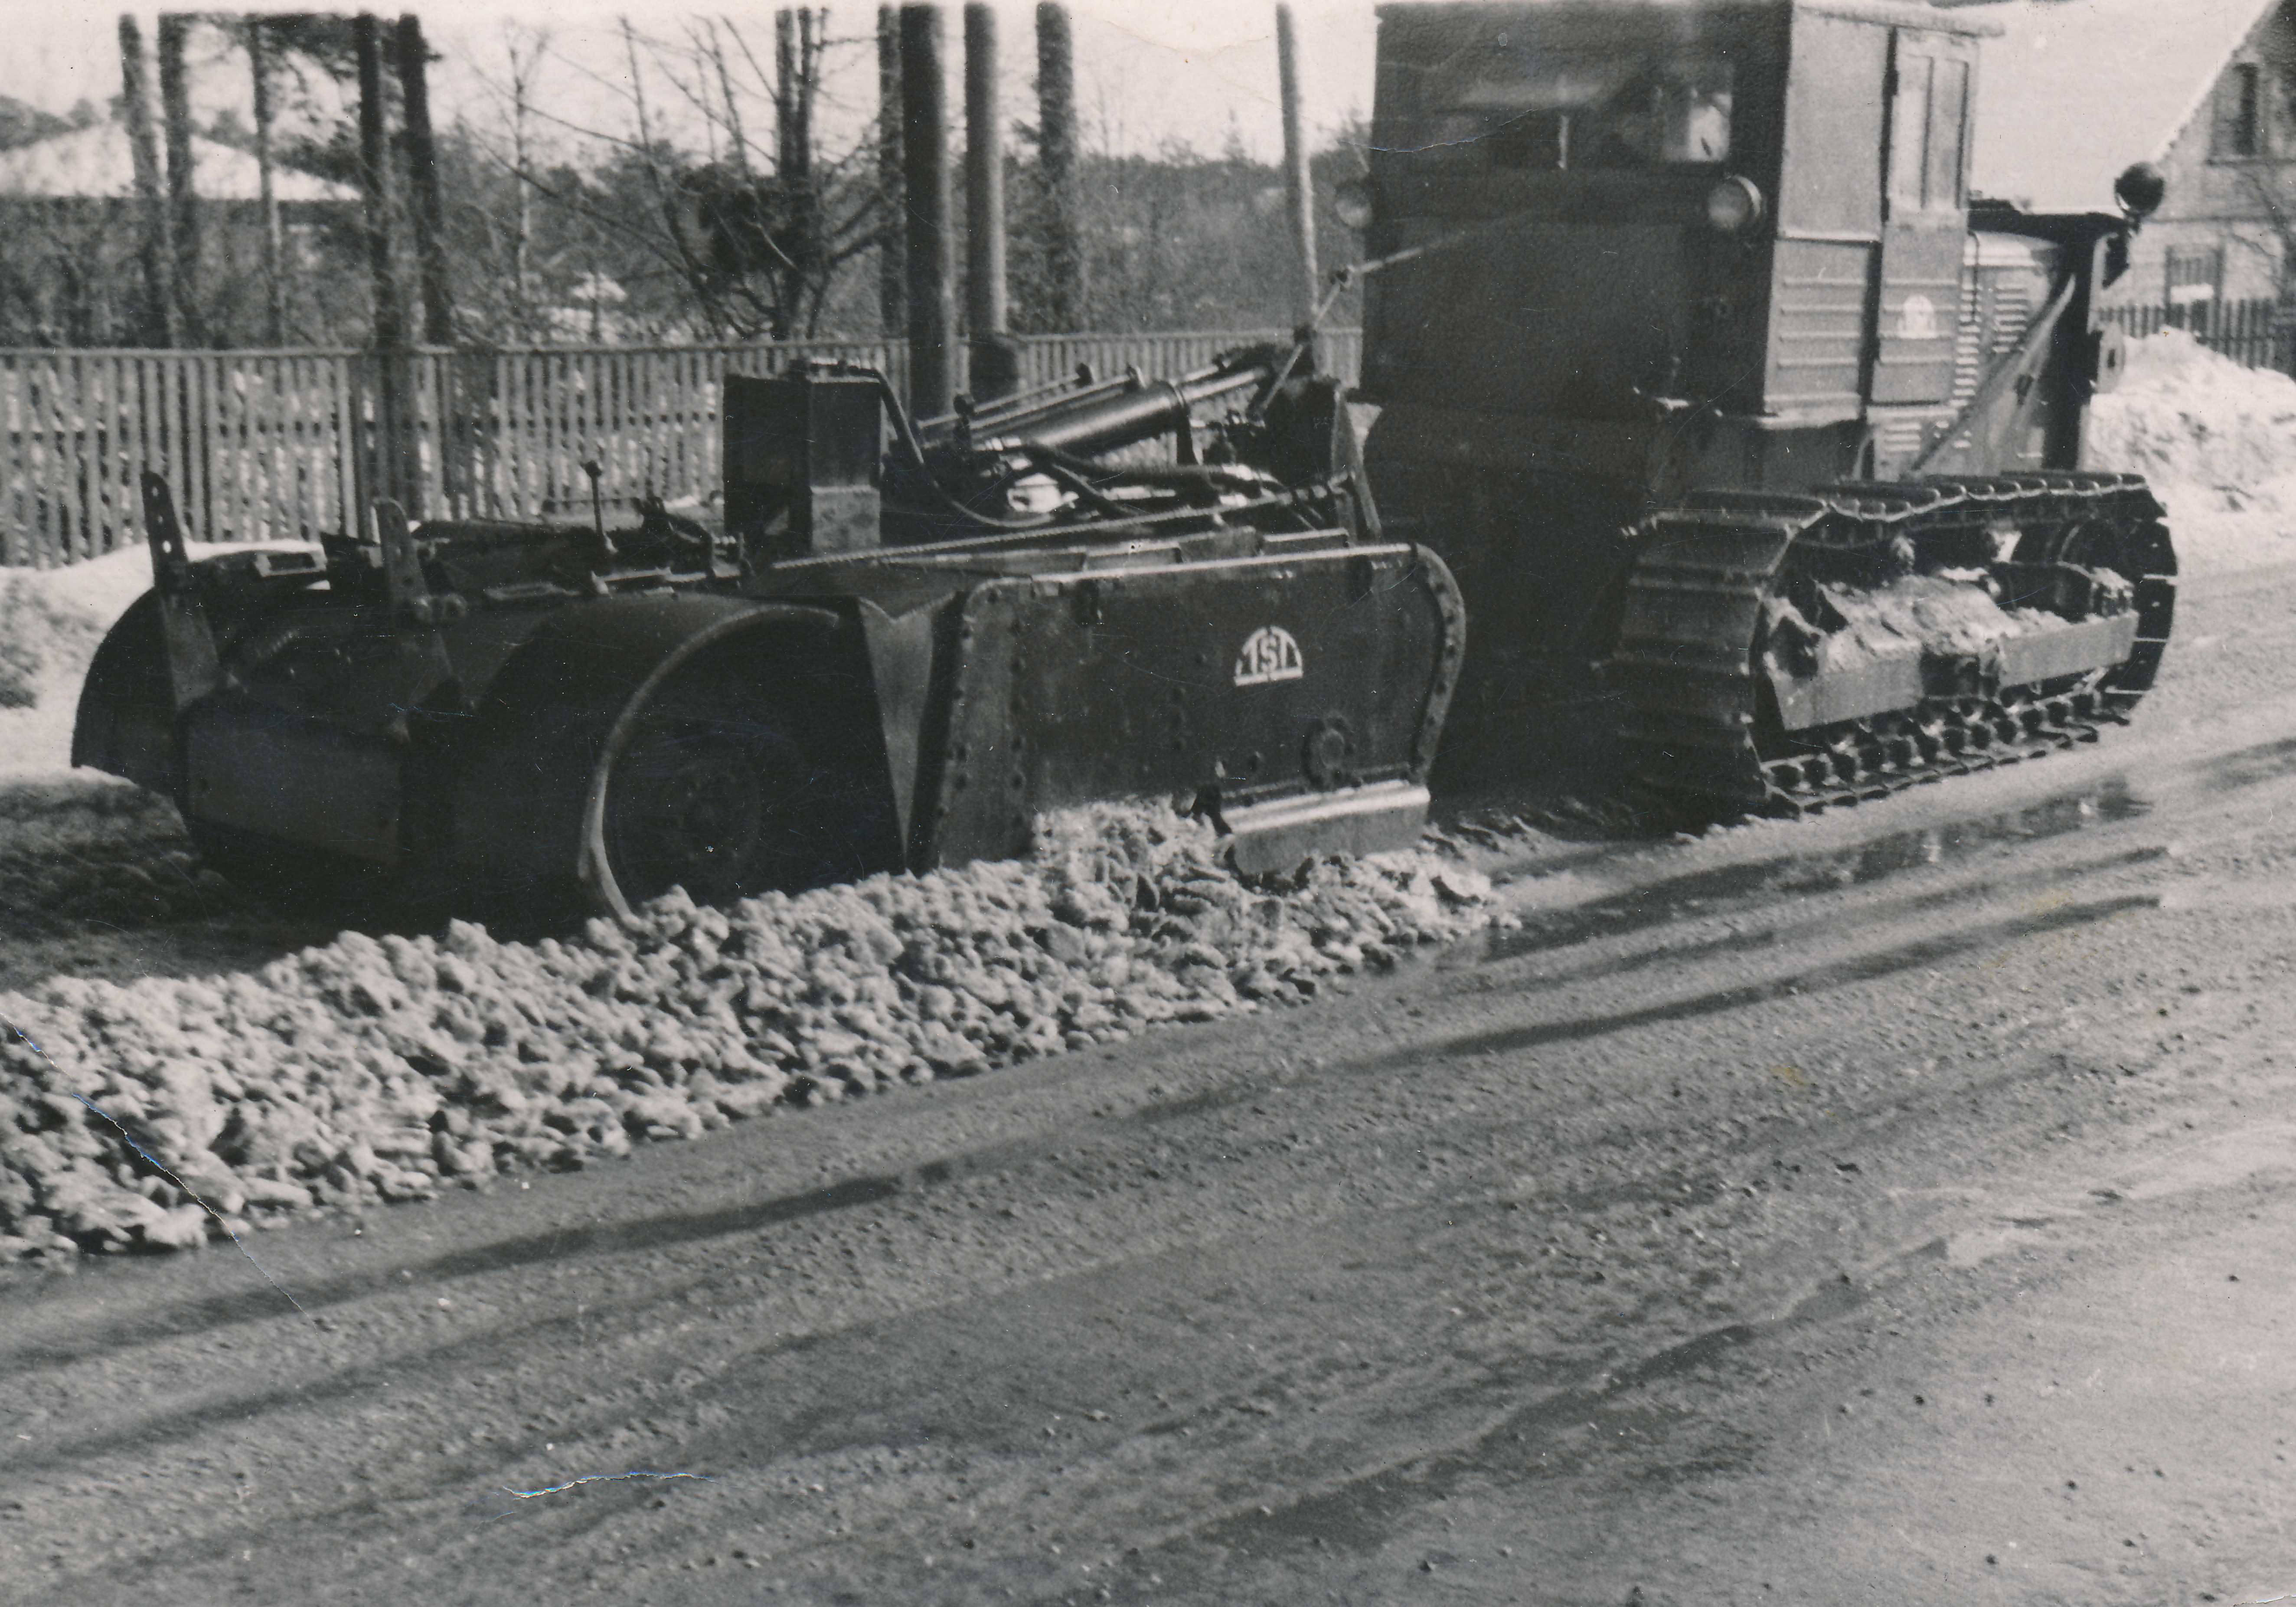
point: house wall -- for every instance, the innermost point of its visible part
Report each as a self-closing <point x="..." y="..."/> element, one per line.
<point x="2221" y="205"/>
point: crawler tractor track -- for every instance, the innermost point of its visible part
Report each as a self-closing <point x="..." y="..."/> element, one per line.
<point x="1714" y="576"/>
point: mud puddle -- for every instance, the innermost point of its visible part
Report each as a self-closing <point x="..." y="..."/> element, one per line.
<point x="1725" y="888"/>
<point x="1843" y="973"/>
<point x="1802" y="927"/>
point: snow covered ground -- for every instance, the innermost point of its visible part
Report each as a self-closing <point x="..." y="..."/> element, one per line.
<point x="51" y="621"/>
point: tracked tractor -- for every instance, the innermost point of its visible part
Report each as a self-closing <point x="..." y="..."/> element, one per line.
<point x="896" y="647"/>
<point x="1722" y="395"/>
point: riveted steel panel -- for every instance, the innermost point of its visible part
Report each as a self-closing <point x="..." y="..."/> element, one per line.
<point x="1240" y="682"/>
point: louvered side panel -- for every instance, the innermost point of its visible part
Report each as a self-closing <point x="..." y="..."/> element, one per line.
<point x="1818" y="301"/>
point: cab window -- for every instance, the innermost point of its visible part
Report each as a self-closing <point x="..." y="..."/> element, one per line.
<point x="1566" y="115"/>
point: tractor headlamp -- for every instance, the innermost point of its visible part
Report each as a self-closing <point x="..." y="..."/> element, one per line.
<point x="1733" y="206"/>
<point x="2140" y="190"/>
<point x="1352" y="200"/>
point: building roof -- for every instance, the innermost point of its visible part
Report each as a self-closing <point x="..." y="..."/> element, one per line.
<point x="95" y="163"/>
<point x="2073" y="91"/>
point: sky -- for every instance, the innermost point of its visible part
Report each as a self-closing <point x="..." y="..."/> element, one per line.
<point x="1148" y="71"/>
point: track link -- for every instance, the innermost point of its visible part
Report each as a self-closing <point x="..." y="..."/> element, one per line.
<point x="1703" y="726"/>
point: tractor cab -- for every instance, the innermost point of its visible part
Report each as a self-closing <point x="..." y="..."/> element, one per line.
<point x="1681" y="244"/>
<point x="1703" y="371"/>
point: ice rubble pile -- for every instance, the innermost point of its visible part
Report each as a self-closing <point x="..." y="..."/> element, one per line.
<point x="371" y="1068"/>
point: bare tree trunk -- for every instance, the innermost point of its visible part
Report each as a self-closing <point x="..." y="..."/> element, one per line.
<point x="430" y="210"/>
<point x="892" y="240"/>
<point x="1300" y="193"/>
<point x="796" y="67"/>
<point x="816" y="235"/>
<point x="732" y="107"/>
<point x="1056" y="157"/>
<point x="812" y="31"/>
<point x="375" y="183"/>
<point x="182" y="199"/>
<point x="784" y="85"/>
<point x="157" y="250"/>
<point x="996" y="369"/>
<point x="274" y="251"/>
<point x="932" y="272"/>
<point x="805" y="199"/>
<point x="521" y="79"/>
<point x="394" y="445"/>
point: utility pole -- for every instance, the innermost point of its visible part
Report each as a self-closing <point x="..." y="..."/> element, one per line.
<point x="182" y="199"/>
<point x="926" y="184"/>
<point x="156" y="248"/>
<point x="1056" y="159"/>
<point x="892" y="240"/>
<point x="428" y="210"/>
<point x="995" y="362"/>
<point x="274" y="252"/>
<point x="1299" y="190"/>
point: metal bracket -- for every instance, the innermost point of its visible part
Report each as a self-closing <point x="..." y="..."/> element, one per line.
<point x="194" y="668"/>
<point x="403" y="581"/>
<point x="415" y="613"/>
<point x="1091" y="605"/>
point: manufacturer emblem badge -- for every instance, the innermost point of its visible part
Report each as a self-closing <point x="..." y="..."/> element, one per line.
<point x="1269" y="655"/>
<point x="1918" y="320"/>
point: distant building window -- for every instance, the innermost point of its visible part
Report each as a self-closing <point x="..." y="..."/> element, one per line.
<point x="2195" y="280"/>
<point x="2240" y="111"/>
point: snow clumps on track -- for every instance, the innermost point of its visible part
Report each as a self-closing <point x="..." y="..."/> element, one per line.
<point x="377" y="1069"/>
<point x="2216" y="440"/>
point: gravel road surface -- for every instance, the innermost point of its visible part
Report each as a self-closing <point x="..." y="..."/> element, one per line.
<point x="1891" y="1206"/>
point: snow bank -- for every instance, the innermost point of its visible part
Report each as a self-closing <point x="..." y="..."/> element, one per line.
<point x="2219" y="443"/>
<point x="51" y="621"/>
<point x="374" y="1068"/>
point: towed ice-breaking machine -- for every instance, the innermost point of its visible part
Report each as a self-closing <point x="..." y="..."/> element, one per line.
<point x="901" y="645"/>
<point x="1715" y="386"/>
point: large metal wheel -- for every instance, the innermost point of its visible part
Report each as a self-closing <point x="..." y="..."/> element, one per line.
<point x="706" y="792"/>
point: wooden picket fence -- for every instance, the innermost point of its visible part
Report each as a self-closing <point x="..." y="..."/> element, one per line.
<point x="281" y="445"/>
<point x="2256" y="335"/>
